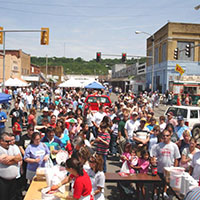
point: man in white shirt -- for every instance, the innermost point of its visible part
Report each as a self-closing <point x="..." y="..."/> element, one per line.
<point x="29" y="101"/>
<point x="130" y="127"/>
<point x="98" y="116"/>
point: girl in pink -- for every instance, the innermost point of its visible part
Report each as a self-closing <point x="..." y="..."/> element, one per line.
<point x="143" y="166"/>
<point x="129" y="157"/>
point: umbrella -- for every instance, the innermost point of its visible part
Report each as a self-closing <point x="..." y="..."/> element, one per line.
<point x="72" y="120"/>
<point x="95" y="85"/>
<point x="5" y="97"/>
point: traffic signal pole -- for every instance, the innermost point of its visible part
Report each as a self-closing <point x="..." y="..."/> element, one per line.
<point x="4" y="47"/>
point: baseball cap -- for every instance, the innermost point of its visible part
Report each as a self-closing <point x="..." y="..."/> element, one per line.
<point x="134" y="113"/>
<point x="143" y="119"/>
<point x="45" y="109"/>
<point x="170" y="113"/>
<point x="180" y="118"/>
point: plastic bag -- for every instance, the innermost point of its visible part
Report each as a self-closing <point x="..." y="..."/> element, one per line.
<point x="49" y="163"/>
<point x="125" y="168"/>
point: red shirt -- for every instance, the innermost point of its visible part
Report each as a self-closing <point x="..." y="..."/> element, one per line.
<point x="18" y="130"/>
<point x="82" y="185"/>
<point x="52" y="125"/>
<point x="30" y="119"/>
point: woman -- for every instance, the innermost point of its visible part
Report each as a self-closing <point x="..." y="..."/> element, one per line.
<point x="170" y="128"/>
<point x="187" y="154"/>
<point x="32" y="117"/>
<point x="97" y="176"/>
<point x="36" y="154"/>
<point x="82" y="186"/>
<point x="52" y="121"/>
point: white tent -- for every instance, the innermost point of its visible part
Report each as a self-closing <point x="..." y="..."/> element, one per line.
<point x="16" y="82"/>
<point x="75" y="83"/>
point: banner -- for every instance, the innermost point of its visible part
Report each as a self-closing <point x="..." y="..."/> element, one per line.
<point x="179" y="69"/>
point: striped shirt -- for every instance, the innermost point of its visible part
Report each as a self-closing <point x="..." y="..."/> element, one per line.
<point x="102" y="148"/>
<point x="193" y="194"/>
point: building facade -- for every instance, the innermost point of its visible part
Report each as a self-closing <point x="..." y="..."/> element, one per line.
<point x="169" y="37"/>
<point x="17" y="63"/>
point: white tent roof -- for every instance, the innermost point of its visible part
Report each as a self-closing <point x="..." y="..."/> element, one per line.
<point x="75" y="83"/>
<point x="15" y="82"/>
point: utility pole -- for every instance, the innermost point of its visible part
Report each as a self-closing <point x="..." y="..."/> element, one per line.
<point x="46" y="66"/>
<point x="44" y="41"/>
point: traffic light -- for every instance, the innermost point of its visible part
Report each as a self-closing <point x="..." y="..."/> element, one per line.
<point x="123" y="57"/>
<point x="98" y="58"/>
<point x="1" y="35"/>
<point x="188" y="50"/>
<point x="176" y="54"/>
<point x="44" y="36"/>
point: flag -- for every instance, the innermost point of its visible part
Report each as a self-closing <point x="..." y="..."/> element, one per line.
<point x="179" y="69"/>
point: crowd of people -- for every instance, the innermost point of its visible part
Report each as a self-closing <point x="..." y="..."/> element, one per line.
<point x="45" y="122"/>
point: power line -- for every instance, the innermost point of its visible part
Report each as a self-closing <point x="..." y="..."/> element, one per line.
<point x="68" y="15"/>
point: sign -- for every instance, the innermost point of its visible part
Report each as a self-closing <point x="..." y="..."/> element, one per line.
<point x="179" y="69"/>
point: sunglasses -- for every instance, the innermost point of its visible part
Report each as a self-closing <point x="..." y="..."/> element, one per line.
<point x="166" y="135"/>
<point x="7" y="141"/>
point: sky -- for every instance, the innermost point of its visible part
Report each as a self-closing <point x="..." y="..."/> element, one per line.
<point x="80" y="28"/>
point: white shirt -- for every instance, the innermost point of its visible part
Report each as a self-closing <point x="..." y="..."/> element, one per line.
<point x="98" y="117"/>
<point x="29" y="99"/>
<point x="196" y="166"/>
<point x="131" y="126"/>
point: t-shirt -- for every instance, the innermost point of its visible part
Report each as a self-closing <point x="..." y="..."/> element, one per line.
<point x="30" y="119"/>
<point x="196" y="166"/>
<point x="16" y="113"/>
<point x="9" y="171"/>
<point x="131" y="126"/>
<point x="2" y="116"/>
<point x="144" y="164"/>
<point x="82" y="186"/>
<point x="35" y="151"/>
<point x="24" y="141"/>
<point x="121" y="128"/>
<point x="166" y="154"/>
<point x="98" y="117"/>
<point x="103" y="148"/>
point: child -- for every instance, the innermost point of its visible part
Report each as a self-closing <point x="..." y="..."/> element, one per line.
<point x="143" y="166"/>
<point x="17" y="129"/>
<point x="128" y="157"/>
<point x="134" y="159"/>
<point x="114" y="135"/>
<point x="102" y="142"/>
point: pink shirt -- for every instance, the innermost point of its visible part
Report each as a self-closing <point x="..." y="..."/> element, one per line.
<point x="144" y="164"/>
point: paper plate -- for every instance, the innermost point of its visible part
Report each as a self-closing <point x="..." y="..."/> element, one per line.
<point x="61" y="156"/>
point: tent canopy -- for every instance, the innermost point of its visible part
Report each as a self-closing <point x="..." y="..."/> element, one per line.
<point x="75" y="83"/>
<point x="95" y="85"/>
<point x="5" y="97"/>
<point x="16" y="82"/>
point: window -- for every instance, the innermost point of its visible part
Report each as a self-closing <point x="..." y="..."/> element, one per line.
<point x="164" y="53"/>
<point x="182" y="45"/>
<point x="178" y="112"/>
<point x="193" y="114"/>
<point x="156" y="56"/>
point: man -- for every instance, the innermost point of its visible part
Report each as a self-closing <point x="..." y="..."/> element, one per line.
<point x="170" y="119"/>
<point x="98" y="117"/>
<point x="29" y="101"/>
<point x="130" y="127"/>
<point x="15" y="113"/>
<point x="53" y="143"/>
<point x="193" y="194"/>
<point x="181" y="127"/>
<point x="3" y="119"/>
<point x="9" y="170"/>
<point x="45" y="114"/>
<point x="166" y="153"/>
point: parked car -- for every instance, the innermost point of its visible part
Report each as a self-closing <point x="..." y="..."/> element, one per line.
<point x="91" y="102"/>
<point x="191" y="115"/>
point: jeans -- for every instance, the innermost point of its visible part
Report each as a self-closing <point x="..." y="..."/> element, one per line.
<point x="104" y="163"/>
<point x="113" y="144"/>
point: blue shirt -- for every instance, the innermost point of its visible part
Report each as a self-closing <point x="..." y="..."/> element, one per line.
<point x="2" y="116"/>
<point x="56" y="143"/>
<point x="180" y="129"/>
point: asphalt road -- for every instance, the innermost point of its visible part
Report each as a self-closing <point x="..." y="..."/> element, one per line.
<point x="113" y="163"/>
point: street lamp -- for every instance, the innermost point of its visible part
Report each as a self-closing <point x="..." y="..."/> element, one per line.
<point x="142" y="32"/>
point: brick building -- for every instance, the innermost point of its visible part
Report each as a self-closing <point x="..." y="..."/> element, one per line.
<point x="171" y="36"/>
<point x="17" y="63"/>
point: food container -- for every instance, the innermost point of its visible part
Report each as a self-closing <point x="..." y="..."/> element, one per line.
<point x="46" y="196"/>
<point x="40" y="173"/>
<point x="176" y="174"/>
